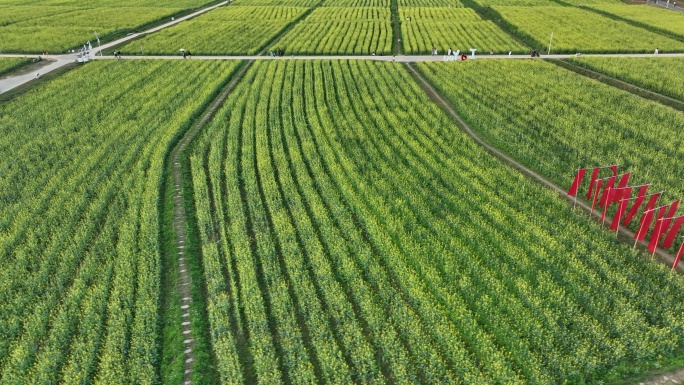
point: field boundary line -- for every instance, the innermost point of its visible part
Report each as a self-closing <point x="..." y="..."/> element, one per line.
<point x="620" y="84"/>
<point x="180" y="219"/>
<point x="436" y="97"/>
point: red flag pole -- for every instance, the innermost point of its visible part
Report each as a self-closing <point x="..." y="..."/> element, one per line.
<point x="605" y="208"/>
<point x="679" y="256"/>
<point x="641" y="227"/>
<point x="619" y="214"/>
<point x="656" y="232"/>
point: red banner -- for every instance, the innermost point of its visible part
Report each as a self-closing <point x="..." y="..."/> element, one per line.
<point x="608" y="186"/>
<point x="594" y="175"/>
<point x="652" y="202"/>
<point x="598" y="188"/>
<point x="624" y="180"/>
<point x="614" y="168"/>
<point x="672" y="233"/>
<point x="575" y="184"/>
<point x="635" y="207"/>
<point x="609" y="195"/>
<point x="661" y="225"/>
<point x="673" y="209"/>
<point x="644" y="225"/>
<point x="621" y="208"/>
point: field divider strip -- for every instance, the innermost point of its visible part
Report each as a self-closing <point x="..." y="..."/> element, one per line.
<point x="180" y="228"/>
<point x="435" y="96"/>
<point x="621" y="84"/>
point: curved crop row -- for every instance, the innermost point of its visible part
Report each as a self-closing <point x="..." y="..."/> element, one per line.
<point x="355" y="234"/>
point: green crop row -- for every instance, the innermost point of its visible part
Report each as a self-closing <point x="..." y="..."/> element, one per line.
<point x="79" y="189"/>
<point x="352" y="233"/>
<point x="661" y="75"/>
<point x="580" y="30"/>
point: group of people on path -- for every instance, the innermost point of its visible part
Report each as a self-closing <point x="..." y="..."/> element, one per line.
<point x="278" y="52"/>
<point x="187" y="54"/>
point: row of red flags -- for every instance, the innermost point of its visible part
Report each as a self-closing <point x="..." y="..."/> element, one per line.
<point x="604" y="192"/>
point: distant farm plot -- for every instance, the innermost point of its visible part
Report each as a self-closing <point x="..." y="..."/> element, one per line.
<point x="59" y="29"/>
<point x="340" y="30"/>
<point x="653" y="17"/>
<point x="224" y="31"/>
<point x="185" y="4"/>
<point x="580" y="30"/>
<point x="15" y="14"/>
<point x="661" y="75"/>
<point x="458" y="28"/>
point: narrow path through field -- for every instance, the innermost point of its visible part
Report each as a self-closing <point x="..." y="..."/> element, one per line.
<point x="179" y="219"/>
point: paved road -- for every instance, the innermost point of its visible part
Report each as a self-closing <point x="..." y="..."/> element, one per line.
<point x="399" y="58"/>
